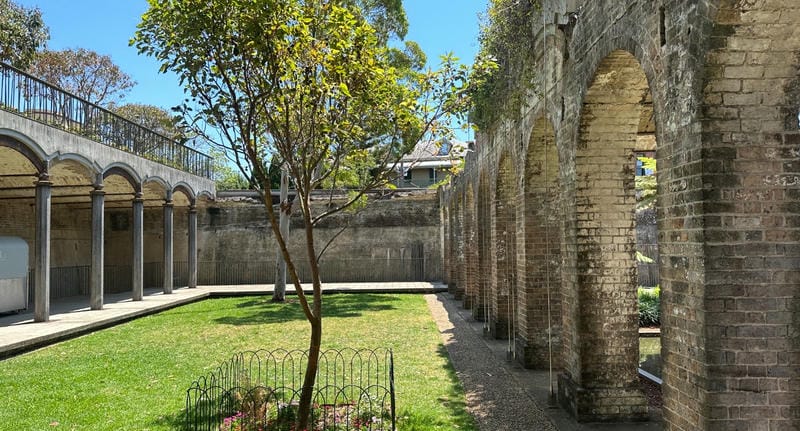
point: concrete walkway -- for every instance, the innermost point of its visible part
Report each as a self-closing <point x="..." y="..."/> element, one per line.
<point x="71" y="317"/>
<point x="502" y="395"/>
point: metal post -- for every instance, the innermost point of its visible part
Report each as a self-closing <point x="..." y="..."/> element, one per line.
<point x="96" y="290"/>
<point x="41" y="307"/>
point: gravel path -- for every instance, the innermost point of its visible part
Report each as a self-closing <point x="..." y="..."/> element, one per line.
<point x="495" y="397"/>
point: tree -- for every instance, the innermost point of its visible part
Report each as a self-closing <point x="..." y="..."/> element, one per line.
<point x="84" y="73"/>
<point x="154" y="118"/>
<point x="311" y="83"/>
<point x="22" y="33"/>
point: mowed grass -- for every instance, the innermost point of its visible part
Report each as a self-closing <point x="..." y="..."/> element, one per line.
<point x="134" y="376"/>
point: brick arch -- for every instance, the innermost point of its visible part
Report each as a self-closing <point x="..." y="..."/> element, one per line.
<point x="504" y="301"/>
<point x="540" y="326"/>
<point x="484" y="225"/>
<point x="470" y="269"/>
<point x="605" y="328"/>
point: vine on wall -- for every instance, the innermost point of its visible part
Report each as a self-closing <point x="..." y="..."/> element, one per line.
<point x="507" y="39"/>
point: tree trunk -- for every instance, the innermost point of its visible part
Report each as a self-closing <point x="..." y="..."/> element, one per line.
<point x="279" y="292"/>
<point x="306" y="396"/>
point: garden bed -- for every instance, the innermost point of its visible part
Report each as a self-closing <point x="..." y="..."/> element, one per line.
<point x="260" y="391"/>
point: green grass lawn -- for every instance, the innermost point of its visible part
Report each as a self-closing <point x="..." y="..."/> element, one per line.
<point x="134" y="376"/>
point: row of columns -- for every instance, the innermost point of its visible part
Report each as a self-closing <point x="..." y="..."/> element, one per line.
<point x="41" y="309"/>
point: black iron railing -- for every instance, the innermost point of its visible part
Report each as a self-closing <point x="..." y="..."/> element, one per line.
<point x="354" y="391"/>
<point x="33" y="98"/>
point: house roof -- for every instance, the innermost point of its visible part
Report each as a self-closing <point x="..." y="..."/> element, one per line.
<point x="441" y="150"/>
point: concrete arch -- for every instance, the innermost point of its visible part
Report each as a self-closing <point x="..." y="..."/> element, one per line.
<point x="125" y="171"/>
<point x="155" y="191"/>
<point x="75" y="157"/>
<point x="538" y="343"/>
<point x="186" y="191"/>
<point x="26" y="147"/>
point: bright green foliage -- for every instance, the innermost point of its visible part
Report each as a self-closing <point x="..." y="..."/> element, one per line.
<point x="646" y="185"/>
<point x="22" y="33"/>
<point x="309" y="84"/>
<point x="649" y="306"/>
<point x="507" y="40"/>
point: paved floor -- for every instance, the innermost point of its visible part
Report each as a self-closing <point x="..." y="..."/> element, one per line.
<point x="72" y="317"/>
<point x="501" y="394"/>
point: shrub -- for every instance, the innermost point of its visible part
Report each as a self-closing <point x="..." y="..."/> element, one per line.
<point x="649" y="306"/>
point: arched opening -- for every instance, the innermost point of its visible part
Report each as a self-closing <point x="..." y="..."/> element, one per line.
<point x="483" y="228"/>
<point x="19" y="170"/>
<point x="71" y="227"/>
<point x="155" y="193"/>
<point x="602" y="383"/>
<point x="540" y="328"/>
<point x="471" y="300"/>
<point x="505" y="228"/>
<point x="120" y="188"/>
<point x="184" y="202"/>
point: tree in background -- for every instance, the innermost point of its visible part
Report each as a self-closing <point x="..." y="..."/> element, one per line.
<point x="84" y="73"/>
<point x="306" y="84"/>
<point x="154" y="118"/>
<point x="22" y="33"/>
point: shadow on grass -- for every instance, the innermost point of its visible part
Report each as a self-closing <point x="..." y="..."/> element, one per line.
<point x="260" y="310"/>
<point x="173" y="421"/>
<point x="454" y="402"/>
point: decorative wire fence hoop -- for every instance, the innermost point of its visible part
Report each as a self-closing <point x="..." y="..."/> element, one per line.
<point x="259" y="391"/>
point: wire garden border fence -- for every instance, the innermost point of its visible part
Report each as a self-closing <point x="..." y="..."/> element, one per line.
<point x="260" y="390"/>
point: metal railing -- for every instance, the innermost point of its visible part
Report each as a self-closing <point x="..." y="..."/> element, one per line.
<point x="354" y="390"/>
<point x="30" y="97"/>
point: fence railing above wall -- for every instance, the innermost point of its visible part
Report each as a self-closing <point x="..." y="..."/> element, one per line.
<point x="30" y="97"/>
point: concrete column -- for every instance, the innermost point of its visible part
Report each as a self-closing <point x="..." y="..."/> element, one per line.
<point x="192" y="246"/>
<point x="168" y="209"/>
<point x="41" y="306"/>
<point x="96" y="289"/>
<point x="138" y="247"/>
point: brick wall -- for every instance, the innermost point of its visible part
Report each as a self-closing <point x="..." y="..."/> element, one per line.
<point x="713" y="86"/>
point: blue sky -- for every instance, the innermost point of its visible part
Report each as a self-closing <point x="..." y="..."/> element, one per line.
<point x="105" y="26"/>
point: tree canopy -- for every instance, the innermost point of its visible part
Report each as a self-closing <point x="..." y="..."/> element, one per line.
<point x="154" y="118"/>
<point x="310" y="85"/>
<point x="85" y="73"/>
<point x="22" y="33"/>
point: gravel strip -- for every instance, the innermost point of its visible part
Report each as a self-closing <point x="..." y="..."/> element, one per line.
<point x="495" y="397"/>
